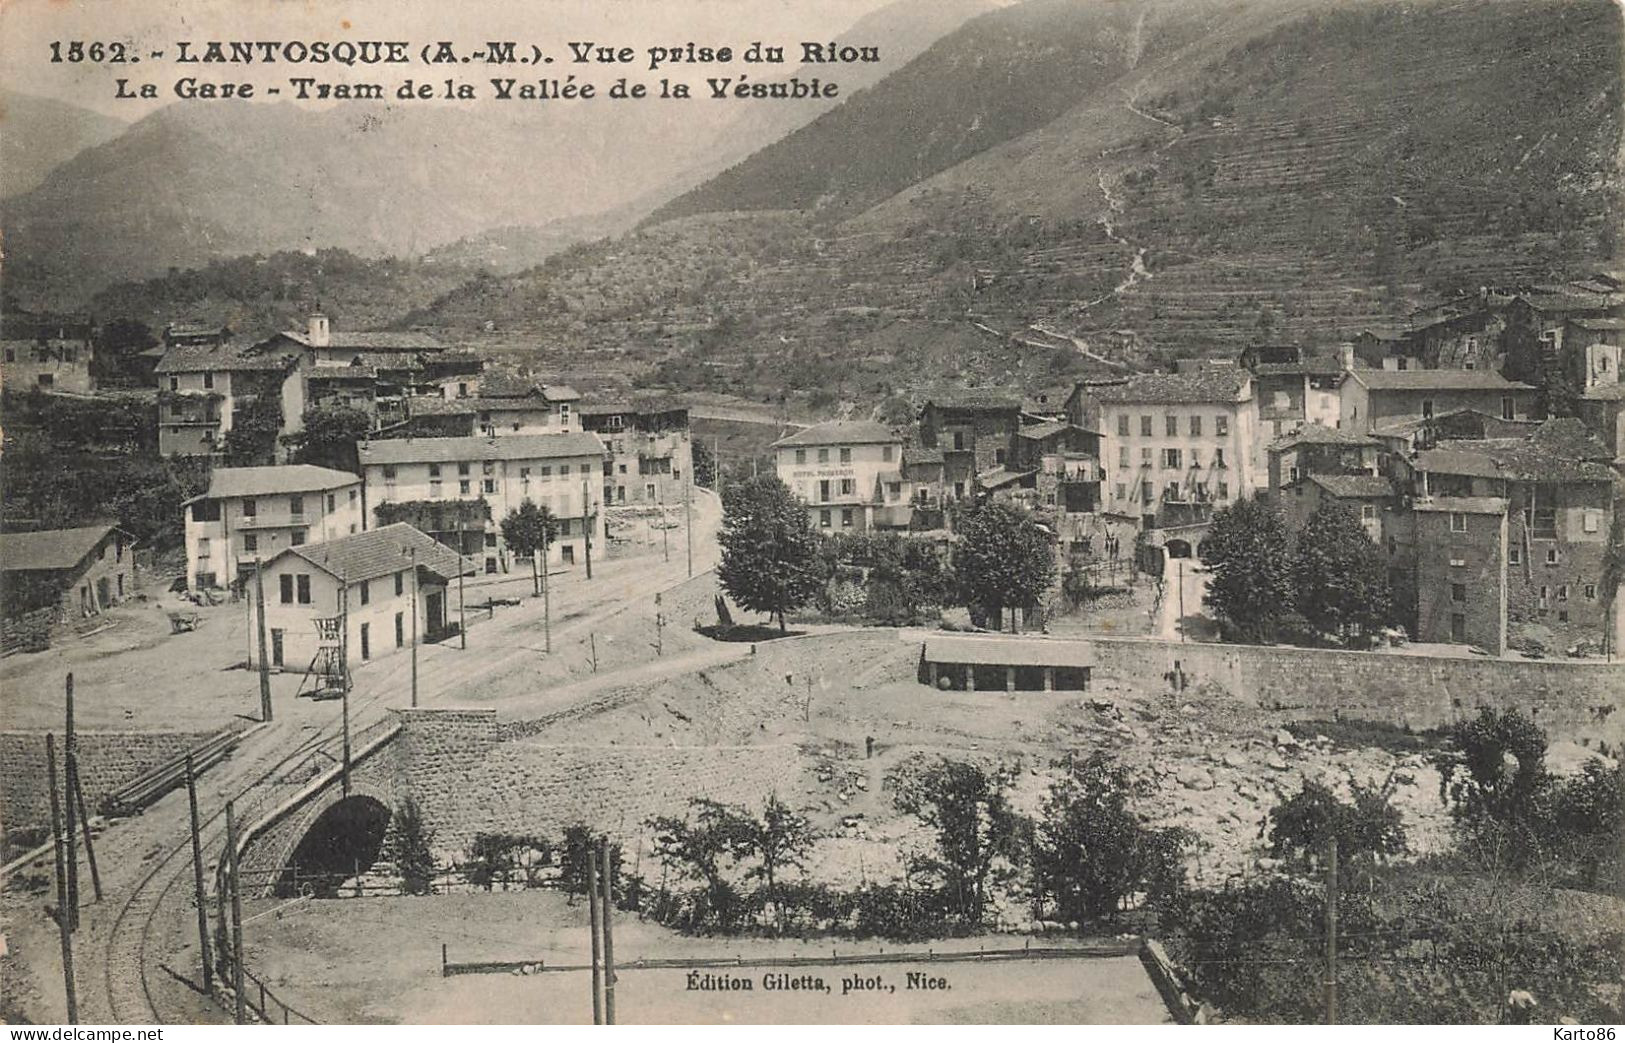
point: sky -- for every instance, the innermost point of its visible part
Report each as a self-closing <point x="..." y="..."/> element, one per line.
<point x="28" y="27"/>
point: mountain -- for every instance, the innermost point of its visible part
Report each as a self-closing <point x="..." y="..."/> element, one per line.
<point x="1090" y="187"/>
<point x="41" y="133"/>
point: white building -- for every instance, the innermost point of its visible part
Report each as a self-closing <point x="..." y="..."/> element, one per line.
<point x="442" y="480"/>
<point x="258" y="512"/>
<point x="369" y="582"/>
<point x="203" y="387"/>
<point x="841" y="470"/>
<point x="1179" y="438"/>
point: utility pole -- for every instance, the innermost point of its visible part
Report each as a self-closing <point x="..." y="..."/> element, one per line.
<point x="1331" y="931"/>
<point x="688" y="520"/>
<point x="665" y="541"/>
<point x="259" y="620"/>
<point x="63" y="922"/>
<point x="414" y="555"/>
<point x="716" y="464"/>
<point x="236" y="913"/>
<point x="462" y="617"/>
<point x="71" y="838"/>
<point x="586" y="522"/>
<point x="84" y="826"/>
<point x="1180" y="623"/>
<point x="660" y="627"/>
<point x="592" y="643"/>
<point x="197" y="877"/>
<point x="547" y="602"/>
<point x="609" y="934"/>
<point x="344" y="674"/>
<point x="595" y="920"/>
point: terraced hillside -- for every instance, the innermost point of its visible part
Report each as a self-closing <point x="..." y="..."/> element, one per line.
<point x="1056" y="188"/>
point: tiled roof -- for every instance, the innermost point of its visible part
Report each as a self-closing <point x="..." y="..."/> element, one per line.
<point x="1559" y="450"/>
<point x="1458" y="461"/>
<point x="1462" y="504"/>
<point x="369" y="340"/>
<point x="1436" y="380"/>
<point x="1353" y="486"/>
<point x="49" y="549"/>
<point x="505" y="447"/>
<point x="992" y="399"/>
<point x="1207" y="384"/>
<point x="382" y="552"/>
<point x="233" y="356"/>
<point x="228" y="482"/>
<point x="1039" y="432"/>
<point x="923" y="454"/>
<point x="1009" y="651"/>
<point x="1320" y="434"/>
<point x="999" y="477"/>
<point x="1599" y="325"/>
<point x="1311" y="366"/>
<point x="840" y="432"/>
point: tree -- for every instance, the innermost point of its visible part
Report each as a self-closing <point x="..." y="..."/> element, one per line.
<point x="1368" y="826"/>
<point x="530" y="530"/>
<point x="1249" y="553"/>
<point x="252" y="438"/>
<point x="970" y="811"/>
<point x="705" y="466"/>
<point x="1003" y="558"/>
<point x="780" y="838"/>
<point x="328" y="436"/>
<point x="414" y="859"/>
<point x="1092" y="849"/>
<point x="1339" y="573"/>
<point x="769" y="549"/>
<point x="698" y="846"/>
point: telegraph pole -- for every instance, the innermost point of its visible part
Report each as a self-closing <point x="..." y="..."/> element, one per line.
<point x="71" y="838"/>
<point x="197" y="877"/>
<point x="344" y="673"/>
<point x="1331" y="931"/>
<point x="586" y="523"/>
<point x="259" y="618"/>
<point x="547" y="601"/>
<point x="660" y="624"/>
<point x="414" y="554"/>
<point x="594" y="917"/>
<point x="236" y="913"/>
<point x="665" y="541"/>
<point x="688" y="519"/>
<point x="84" y="826"/>
<point x="63" y="923"/>
<point x="609" y="934"/>
<point x="1181" y="621"/>
<point x="462" y="616"/>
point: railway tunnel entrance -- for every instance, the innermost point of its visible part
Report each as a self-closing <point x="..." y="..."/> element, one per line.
<point x="345" y="839"/>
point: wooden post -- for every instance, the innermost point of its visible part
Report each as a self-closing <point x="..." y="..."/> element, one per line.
<point x="197" y="878"/>
<point x="586" y="523"/>
<point x="1331" y="931"/>
<point x="235" y="885"/>
<point x="547" y="605"/>
<point x="462" y="617"/>
<point x="660" y="625"/>
<point x="259" y="620"/>
<point x="63" y="919"/>
<point x="688" y="518"/>
<point x="593" y="918"/>
<point x="71" y="837"/>
<point x="665" y="540"/>
<point x="414" y="554"/>
<point x="592" y="644"/>
<point x="609" y="934"/>
<point x="84" y="826"/>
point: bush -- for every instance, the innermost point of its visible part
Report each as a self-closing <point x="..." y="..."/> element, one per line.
<point x="413" y="858"/>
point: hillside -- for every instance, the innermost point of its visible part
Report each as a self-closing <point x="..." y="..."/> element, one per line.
<point x="1133" y="180"/>
<point x="42" y="133"/>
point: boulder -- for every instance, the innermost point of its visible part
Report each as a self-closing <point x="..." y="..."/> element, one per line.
<point x="1276" y="763"/>
<point x="1195" y="778"/>
<point x="1285" y="738"/>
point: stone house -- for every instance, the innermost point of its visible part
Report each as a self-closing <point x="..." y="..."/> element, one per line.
<point x="203" y="389"/>
<point x="976" y="431"/>
<point x="52" y="355"/>
<point x="253" y="513"/>
<point x="1371" y="397"/>
<point x="651" y="450"/>
<point x="78" y="573"/>
<point x="842" y="470"/>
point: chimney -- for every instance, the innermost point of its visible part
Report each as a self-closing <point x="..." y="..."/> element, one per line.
<point x="319" y="334"/>
<point x="1345" y="354"/>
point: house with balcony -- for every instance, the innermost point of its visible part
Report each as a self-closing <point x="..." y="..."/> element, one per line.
<point x="497" y="404"/>
<point x="203" y="388"/>
<point x="255" y="513"/>
<point x="976" y="431"/>
<point x="651" y="450"/>
<point x="843" y="471"/>
<point x="1294" y="386"/>
<point x="458" y="490"/>
<point x="1317" y="449"/>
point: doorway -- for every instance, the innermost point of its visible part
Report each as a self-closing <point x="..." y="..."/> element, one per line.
<point x="276" y="646"/>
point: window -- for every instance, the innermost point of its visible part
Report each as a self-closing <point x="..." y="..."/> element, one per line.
<point x="564" y="470"/>
<point x="1170" y="425"/>
<point x="846" y="456"/>
<point x="998" y="457"/>
<point x="1171" y="491"/>
<point x="846" y="517"/>
<point x="400" y="629"/>
<point x="823" y="456"/>
<point x="491" y="485"/>
<point x="564" y="413"/>
<point x="1514" y="555"/>
<point x="1121" y="491"/>
<point x="251" y="543"/>
<point x="297" y="537"/>
<point x="1224" y="491"/>
<point x="487" y="467"/>
<point x="1122" y="425"/>
<point x="1458" y="563"/>
<point x="366" y="641"/>
<point x="801" y="456"/>
<point x="174" y="382"/>
<point x="366" y="592"/>
<point x="400" y="583"/>
<point x="286" y="586"/>
<point x="1591" y="521"/>
<point x="491" y="539"/>
<point x="1563" y="592"/>
<point x="1507" y="407"/>
<point x="302" y="583"/>
<point x="1591" y="591"/>
<point x="462" y="486"/>
<point x="848" y="486"/>
<point x="1458" y="593"/>
<point x="886" y="453"/>
<point x="434" y="471"/>
<point x="1196" y="457"/>
<point x="545" y="473"/>
<point x="824" y="518"/>
<point x="1551" y="556"/>
<point x="1148" y="492"/>
<point x="1170" y="459"/>
<point x="823" y="490"/>
<point x="1368" y="512"/>
<point x="352" y="498"/>
<point x="389" y="472"/>
<point x="1221" y="425"/>
<point x="250" y="508"/>
<point x="1145" y="426"/>
<point x="1218" y="458"/>
<point x="332" y="502"/>
<point x="959" y="441"/>
<point x="1458" y="522"/>
<point x="1545" y="592"/>
<point x="1122" y="456"/>
<point x="296" y="506"/>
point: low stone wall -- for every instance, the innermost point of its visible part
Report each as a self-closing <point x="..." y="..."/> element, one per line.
<point x="1570" y="700"/>
<point x="28" y="632"/>
<point x="107" y="760"/>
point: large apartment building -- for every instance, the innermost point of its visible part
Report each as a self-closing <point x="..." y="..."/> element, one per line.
<point x="651" y="450"/>
<point x="841" y="470"/>
<point x="458" y="490"/>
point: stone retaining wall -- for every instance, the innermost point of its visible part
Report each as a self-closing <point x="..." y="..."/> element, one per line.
<point x="107" y="760"/>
